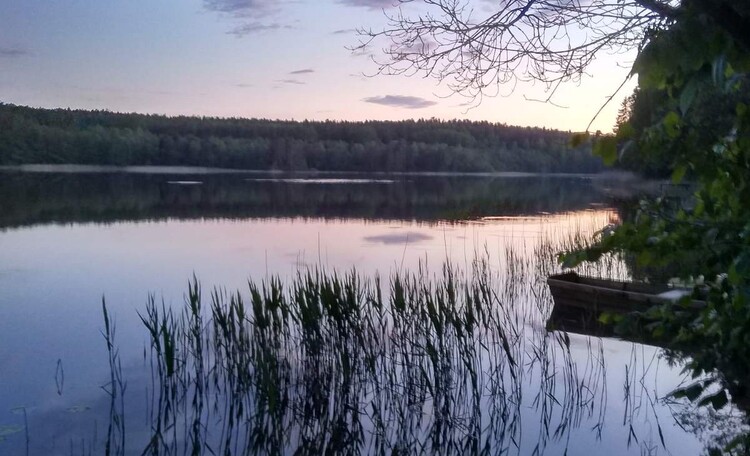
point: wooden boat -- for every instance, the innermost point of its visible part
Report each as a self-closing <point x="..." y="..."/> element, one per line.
<point x="576" y="296"/>
<point x="601" y="295"/>
<point x="579" y="301"/>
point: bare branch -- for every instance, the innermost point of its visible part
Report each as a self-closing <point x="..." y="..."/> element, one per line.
<point x="548" y="41"/>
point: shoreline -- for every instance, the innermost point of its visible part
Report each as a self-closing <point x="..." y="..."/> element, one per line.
<point x="620" y="176"/>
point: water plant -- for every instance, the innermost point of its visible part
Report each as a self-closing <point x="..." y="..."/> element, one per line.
<point x="334" y="363"/>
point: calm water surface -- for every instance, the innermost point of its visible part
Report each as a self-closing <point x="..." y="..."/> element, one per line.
<point x="67" y="240"/>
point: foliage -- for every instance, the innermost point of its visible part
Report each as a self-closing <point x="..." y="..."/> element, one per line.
<point x="699" y="69"/>
<point x="328" y="363"/>
<point x="689" y="118"/>
<point x="104" y="138"/>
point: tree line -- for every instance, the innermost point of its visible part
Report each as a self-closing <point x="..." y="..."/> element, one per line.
<point x="64" y="136"/>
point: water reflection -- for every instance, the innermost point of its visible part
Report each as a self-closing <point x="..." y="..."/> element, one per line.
<point x="398" y="238"/>
<point x="37" y="198"/>
<point x="428" y="360"/>
<point x="457" y="362"/>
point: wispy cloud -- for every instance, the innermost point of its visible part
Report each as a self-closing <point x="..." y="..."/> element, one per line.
<point x="243" y="85"/>
<point x="372" y="4"/>
<point x="290" y="81"/>
<point x="303" y="71"/>
<point x="256" y="27"/>
<point x="363" y="51"/>
<point x="400" y="101"/>
<point x="9" y="53"/>
<point x="343" y="31"/>
<point x="423" y="46"/>
<point x="241" y="8"/>
<point x="257" y="15"/>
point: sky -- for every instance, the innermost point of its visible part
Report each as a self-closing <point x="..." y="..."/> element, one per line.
<point x="276" y="59"/>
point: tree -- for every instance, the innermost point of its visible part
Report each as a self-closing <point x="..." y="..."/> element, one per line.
<point x="548" y="41"/>
<point x="692" y="108"/>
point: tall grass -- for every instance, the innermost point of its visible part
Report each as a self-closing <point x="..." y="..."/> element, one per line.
<point x="457" y="362"/>
<point x="334" y="363"/>
<point x="114" y="443"/>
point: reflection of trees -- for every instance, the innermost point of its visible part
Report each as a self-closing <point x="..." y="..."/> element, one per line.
<point x="715" y="429"/>
<point x="692" y="412"/>
<point x="30" y="198"/>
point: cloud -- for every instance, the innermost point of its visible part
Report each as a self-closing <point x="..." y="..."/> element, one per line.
<point x="256" y="27"/>
<point x="424" y="46"/>
<point x="362" y="51"/>
<point x="258" y="15"/>
<point x="372" y="4"/>
<point x="343" y="31"/>
<point x="10" y="53"/>
<point x="303" y="71"/>
<point x="241" y="8"/>
<point x="243" y="85"/>
<point x="400" y="101"/>
<point x="290" y="81"/>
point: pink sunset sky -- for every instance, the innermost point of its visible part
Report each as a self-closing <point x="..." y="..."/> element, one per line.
<point x="277" y="59"/>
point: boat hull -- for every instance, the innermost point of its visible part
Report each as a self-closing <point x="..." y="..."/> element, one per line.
<point x="579" y="301"/>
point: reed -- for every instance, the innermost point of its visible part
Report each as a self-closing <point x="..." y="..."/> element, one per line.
<point x="115" y="440"/>
<point x="453" y="362"/>
<point x="331" y="363"/>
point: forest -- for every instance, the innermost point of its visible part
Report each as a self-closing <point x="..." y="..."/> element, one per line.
<point x="64" y="136"/>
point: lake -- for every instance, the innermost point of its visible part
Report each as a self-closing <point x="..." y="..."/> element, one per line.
<point x="68" y="240"/>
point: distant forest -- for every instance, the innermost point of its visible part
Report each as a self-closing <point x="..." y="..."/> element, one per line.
<point x="64" y="136"/>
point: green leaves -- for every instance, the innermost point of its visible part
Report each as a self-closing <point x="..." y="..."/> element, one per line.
<point x="741" y="109"/>
<point x="608" y="318"/>
<point x="606" y="148"/>
<point x="651" y="66"/>
<point x="572" y="259"/>
<point x="678" y="173"/>
<point x="739" y="271"/>
<point x="690" y="114"/>
<point x="671" y="124"/>
<point x="579" y="139"/>
<point x="625" y="131"/>
<point x="688" y="94"/>
<point x="720" y="70"/>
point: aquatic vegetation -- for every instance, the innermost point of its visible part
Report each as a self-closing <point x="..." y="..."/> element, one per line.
<point x="115" y="389"/>
<point x="333" y="363"/>
<point x="453" y="360"/>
